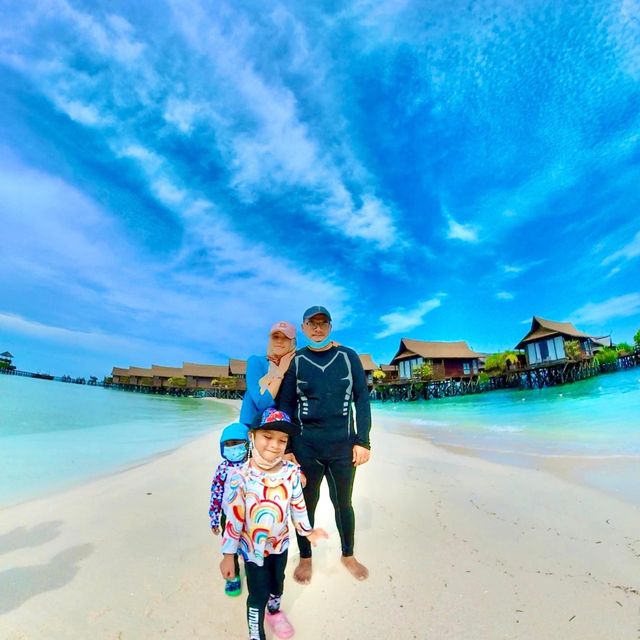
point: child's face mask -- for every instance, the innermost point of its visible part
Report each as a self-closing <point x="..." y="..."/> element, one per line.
<point x="235" y="453"/>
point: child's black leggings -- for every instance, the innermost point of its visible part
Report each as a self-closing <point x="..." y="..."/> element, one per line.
<point x="265" y="585"/>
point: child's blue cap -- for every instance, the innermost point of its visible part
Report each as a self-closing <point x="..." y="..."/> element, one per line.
<point x="235" y="431"/>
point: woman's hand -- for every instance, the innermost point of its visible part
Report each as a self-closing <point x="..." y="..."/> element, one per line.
<point x="215" y="530"/>
<point x="285" y="361"/>
<point x="227" y="569"/>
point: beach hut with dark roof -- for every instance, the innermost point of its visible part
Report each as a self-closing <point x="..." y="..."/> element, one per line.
<point x="200" y="376"/>
<point x="544" y="344"/>
<point x="161" y="374"/>
<point x="120" y="375"/>
<point x="5" y="361"/>
<point x="368" y="365"/>
<point x="390" y="372"/>
<point x="237" y="368"/>
<point x="447" y="359"/>
<point x="140" y="376"/>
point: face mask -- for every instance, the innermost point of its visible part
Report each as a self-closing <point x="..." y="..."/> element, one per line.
<point x="261" y="462"/>
<point x="236" y="453"/>
<point x="320" y="345"/>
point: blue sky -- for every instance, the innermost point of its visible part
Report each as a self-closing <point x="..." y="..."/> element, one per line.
<point x="175" y="176"/>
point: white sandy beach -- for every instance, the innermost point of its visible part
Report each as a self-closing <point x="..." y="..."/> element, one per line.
<point x="458" y="547"/>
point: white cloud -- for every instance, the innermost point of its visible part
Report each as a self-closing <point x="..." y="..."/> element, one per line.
<point x="205" y="293"/>
<point x="598" y="313"/>
<point x="183" y="113"/>
<point x="168" y="193"/>
<point x="630" y="251"/>
<point x="82" y="113"/>
<point x="504" y="295"/>
<point x="82" y="339"/>
<point x="512" y="270"/>
<point x="269" y="145"/>
<point x="457" y="231"/>
<point x="402" y="319"/>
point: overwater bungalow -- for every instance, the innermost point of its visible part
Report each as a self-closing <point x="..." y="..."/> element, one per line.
<point x="448" y="360"/>
<point x="390" y="372"/>
<point x="139" y="376"/>
<point x="369" y="366"/>
<point x="200" y="376"/>
<point x="162" y="374"/>
<point x="120" y="375"/>
<point x="545" y="342"/>
<point x="6" y="365"/>
<point x="238" y="368"/>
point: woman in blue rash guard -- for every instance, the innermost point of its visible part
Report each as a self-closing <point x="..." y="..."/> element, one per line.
<point x="265" y="373"/>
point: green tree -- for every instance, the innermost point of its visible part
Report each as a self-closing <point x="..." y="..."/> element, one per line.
<point x="608" y="355"/>
<point x="423" y="371"/>
<point x="624" y="348"/>
<point x="498" y="363"/>
<point x="573" y="350"/>
<point x="636" y="339"/>
<point x="179" y="382"/>
<point x="379" y="375"/>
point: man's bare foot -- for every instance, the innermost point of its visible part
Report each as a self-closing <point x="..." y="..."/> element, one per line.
<point x="303" y="571"/>
<point x="357" y="570"/>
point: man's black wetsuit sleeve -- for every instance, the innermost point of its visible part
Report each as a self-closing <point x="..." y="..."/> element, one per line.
<point x="287" y="398"/>
<point x="361" y="401"/>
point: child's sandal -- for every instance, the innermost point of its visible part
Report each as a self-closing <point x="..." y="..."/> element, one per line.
<point x="233" y="588"/>
<point x="280" y="624"/>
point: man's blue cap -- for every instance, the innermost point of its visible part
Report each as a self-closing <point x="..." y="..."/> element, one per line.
<point x="235" y="431"/>
<point x="314" y="311"/>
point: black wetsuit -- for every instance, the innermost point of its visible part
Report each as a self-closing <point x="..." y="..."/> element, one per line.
<point x="319" y="391"/>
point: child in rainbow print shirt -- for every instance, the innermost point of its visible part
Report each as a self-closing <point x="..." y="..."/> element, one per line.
<point x="261" y="497"/>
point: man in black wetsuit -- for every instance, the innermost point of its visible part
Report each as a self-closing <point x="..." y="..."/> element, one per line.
<point x="319" y="391"/>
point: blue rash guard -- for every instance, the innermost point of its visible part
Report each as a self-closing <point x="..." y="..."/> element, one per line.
<point x="254" y="402"/>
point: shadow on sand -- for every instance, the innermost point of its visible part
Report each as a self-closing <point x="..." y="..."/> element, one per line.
<point x="19" y="584"/>
<point x="22" y="537"/>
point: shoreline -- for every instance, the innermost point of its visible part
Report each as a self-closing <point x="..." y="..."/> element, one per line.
<point x="458" y="546"/>
<point x="71" y="484"/>
<point x="616" y="475"/>
<point x="580" y="469"/>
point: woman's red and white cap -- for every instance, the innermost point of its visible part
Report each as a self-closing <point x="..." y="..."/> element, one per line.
<point x="284" y="327"/>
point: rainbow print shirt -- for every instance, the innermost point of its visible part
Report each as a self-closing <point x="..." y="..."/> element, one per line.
<point x="259" y="504"/>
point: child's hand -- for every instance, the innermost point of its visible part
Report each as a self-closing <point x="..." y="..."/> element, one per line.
<point x="316" y="534"/>
<point x="227" y="569"/>
<point x="215" y="530"/>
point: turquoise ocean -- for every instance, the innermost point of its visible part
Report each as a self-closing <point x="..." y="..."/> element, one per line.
<point x="54" y="435"/>
<point x="589" y="429"/>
